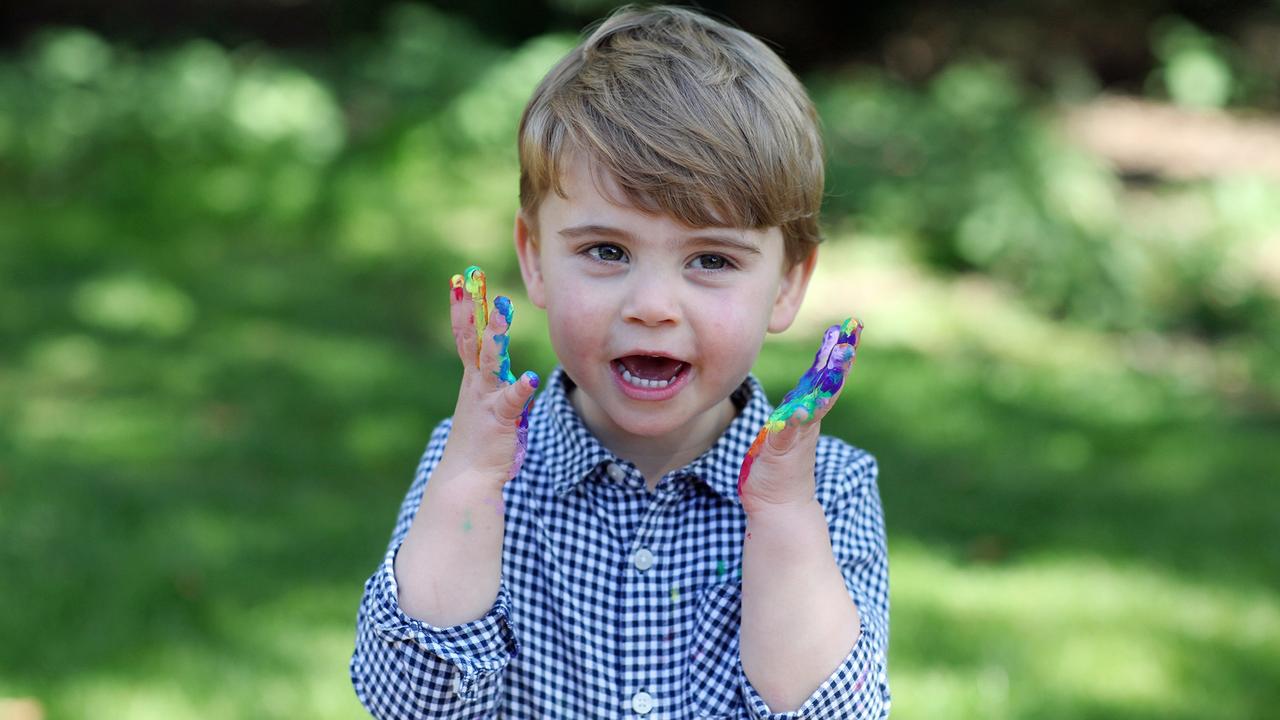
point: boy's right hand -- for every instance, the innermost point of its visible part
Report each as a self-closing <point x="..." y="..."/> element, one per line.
<point x="491" y="419"/>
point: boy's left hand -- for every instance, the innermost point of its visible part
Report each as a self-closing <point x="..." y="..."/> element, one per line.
<point x="779" y="467"/>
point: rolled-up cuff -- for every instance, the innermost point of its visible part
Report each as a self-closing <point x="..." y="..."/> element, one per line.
<point x="479" y="649"/>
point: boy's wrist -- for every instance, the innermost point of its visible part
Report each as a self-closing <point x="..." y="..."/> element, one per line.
<point x="782" y="513"/>
<point x="466" y="482"/>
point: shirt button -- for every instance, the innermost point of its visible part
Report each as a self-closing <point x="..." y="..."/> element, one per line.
<point x="616" y="472"/>
<point x="642" y="702"/>
<point x="643" y="559"/>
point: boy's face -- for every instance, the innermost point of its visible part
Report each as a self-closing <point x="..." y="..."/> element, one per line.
<point x="656" y="322"/>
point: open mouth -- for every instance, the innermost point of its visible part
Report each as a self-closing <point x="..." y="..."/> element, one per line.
<point x="650" y="372"/>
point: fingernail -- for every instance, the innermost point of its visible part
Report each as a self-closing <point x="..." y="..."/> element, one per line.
<point x="533" y="379"/>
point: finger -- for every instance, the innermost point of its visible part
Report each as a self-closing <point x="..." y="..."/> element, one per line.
<point x="474" y="281"/>
<point x="495" y="360"/>
<point x="833" y="376"/>
<point x="830" y="339"/>
<point x="807" y="381"/>
<point x="528" y="380"/>
<point x="840" y="359"/>
<point x="832" y="381"/>
<point x="462" y="318"/>
<point x="829" y="383"/>
<point x="824" y="404"/>
<point x="781" y="441"/>
<point x="850" y="330"/>
<point x="515" y="400"/>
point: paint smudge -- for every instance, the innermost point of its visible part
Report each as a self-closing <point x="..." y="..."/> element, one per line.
<point x="522" y="427"/>
<point x="822" y="380"/>
<point x="503" y="306"/>
<point x="861" y="679"/>
<point x="720" y="569"/>
<point x="497" y="504"/>
<point x="472" y="281"/>
<point x="466" y="521"/>
<point x="675" y="592"/>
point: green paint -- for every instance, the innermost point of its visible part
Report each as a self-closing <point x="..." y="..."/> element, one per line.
<point x="675" y="592"/>
<point x="719" y="568"/>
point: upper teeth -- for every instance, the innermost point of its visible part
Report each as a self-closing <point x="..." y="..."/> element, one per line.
<point x="644" y="383"/>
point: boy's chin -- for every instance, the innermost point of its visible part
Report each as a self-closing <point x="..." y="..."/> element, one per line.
<point x="648" y="425"/>
<point x="657" y="420"/>
<point x="675" y="421"/>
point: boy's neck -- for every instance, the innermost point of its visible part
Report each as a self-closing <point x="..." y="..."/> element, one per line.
<point x="654" y="457"/>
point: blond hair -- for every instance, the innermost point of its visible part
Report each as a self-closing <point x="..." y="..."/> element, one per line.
<point x="692" y="118"/>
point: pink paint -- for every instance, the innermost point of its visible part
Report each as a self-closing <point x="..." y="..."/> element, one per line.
<point x="498" y="505"/>
<point x="861" y="678"/>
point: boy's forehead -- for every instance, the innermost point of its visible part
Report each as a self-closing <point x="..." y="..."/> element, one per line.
<point x="597" y="199"/>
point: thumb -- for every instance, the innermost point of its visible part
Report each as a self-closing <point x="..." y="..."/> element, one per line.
<point x="782" y="440"/>
<point x="514" y="399"/>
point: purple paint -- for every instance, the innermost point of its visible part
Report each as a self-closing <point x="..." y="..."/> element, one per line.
<point x="820" y="382"/>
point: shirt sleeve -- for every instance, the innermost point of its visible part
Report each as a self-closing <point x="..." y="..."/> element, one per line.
<point x="403" y="667"/>
<point x="859" y="688"/>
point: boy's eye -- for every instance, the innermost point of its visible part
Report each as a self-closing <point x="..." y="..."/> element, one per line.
<point x="711" y="262"/>
<point x="607" y="253"/>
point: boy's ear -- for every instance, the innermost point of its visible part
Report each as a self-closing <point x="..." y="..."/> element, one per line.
<point x="791" y="293"/>
<point x="530" y="261"/>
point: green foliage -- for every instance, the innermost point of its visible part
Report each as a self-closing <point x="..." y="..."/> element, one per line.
<point x="976" y="176"/>
<point x="976" y="180"/>
<point x="1193" y="66"/>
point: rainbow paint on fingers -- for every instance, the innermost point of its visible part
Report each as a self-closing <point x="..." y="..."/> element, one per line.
<point x="814" y="390"/>
<point x="504" y="308"/>
<point x="472" y="281"/>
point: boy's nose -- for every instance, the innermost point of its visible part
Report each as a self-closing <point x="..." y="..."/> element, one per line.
<point x="651" y="301"/>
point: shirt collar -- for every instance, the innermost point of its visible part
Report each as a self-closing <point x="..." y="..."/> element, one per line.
<point x="577" y="453"/>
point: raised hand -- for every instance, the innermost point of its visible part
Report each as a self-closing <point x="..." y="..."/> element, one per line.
<point x="491" y="420"/>
<point x="778" y="468"/>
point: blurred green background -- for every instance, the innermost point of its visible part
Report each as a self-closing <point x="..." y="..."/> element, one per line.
<point x="226" y="231"/>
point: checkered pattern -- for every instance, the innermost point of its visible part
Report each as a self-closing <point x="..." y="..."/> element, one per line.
<point x="579" y="631"/>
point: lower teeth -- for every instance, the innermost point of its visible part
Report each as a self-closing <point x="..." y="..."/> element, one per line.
<point x="644" y="383"/>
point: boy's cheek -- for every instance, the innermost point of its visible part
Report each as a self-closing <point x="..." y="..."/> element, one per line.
<point x="739" y="319"/>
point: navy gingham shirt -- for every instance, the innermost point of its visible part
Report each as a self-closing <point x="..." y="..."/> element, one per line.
<point x="617" y="602"/>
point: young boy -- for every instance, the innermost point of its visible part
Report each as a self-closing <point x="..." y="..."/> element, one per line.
<point x="671" y="176"/>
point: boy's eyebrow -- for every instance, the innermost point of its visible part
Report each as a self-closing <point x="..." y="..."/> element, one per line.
<point x="607" y="231"/>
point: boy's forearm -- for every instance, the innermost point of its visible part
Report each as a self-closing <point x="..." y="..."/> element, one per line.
<point x="798" y="621"/>
<point x="450" y="563"/>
